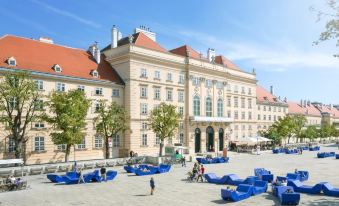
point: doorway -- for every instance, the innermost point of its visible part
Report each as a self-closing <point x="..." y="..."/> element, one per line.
<point x="210" y="139"/>
<point x="197" y="134"/>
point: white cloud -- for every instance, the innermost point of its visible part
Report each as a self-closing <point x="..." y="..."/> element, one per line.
<point x="278" y="57"/>
<point x="67" y="14"/>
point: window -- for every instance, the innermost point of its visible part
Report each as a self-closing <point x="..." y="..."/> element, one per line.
<point x="97" y="107"/>
<point x="39" y="84"/>
<point x="169" y="95"/>
<point x="243" y="127"/>
<point x="196" y="80"/>
<point x="143" y="92"/>
<point x="82" y="145"/>
<point x="236" y="115"/>
<point x="235" y="101"/>
<point x="229" y="114"/>
<point x="249" y="102"/>
<point x="157" y="74"/>
<point x="208" y="107"/>
<point x="95" y="73"/>
<point x="13" y="103"/>
<point x="258" y="116"/>
<point x="250" y="127"/>
<point x="39" y="105"/>
<point x="60" y="87"/>
<point x="249" y="115"/>
<point x="156" y="93"/>
<point x="228" y="101"/>
<point x="269" y="117"/>
<point x="98" y="141"/>
<point x="115" y="92"/>
<point x="208" y="83"/>
<point x="269" y="108"/>
<point x="228" y="87"/>
<point x="11" y="145"/>
<point x="98" y="91"/>
<point x="11" y="61"/>
<point x="39" y="144"/>
<point x="116" y="140"/>
<point x="157" y="139"/>
<point x="61" y="147"/>
<point x="181" y="79"/>
<point x="242" y="90"/>
<point x="259" y="107"/>
<point x="144" y="125"/>
<point x="264" y="117"/>
<point x="181" y="110"/>
<point x="274" y="118"/>
<point x="279" y="109"/>
<point x="242" y="115"/>
<point x="242" y="102"/>
<point x="144" y="139"/>
<point x="39" y="125"/>
<point x="236" y="127"/>
<point x="196" y="106"/>
<point x="220" y="85"/>
<point x="264" y="108"/>
<point x="57" y="68"/>
<point x="249" y="91"/>
<point x="274" y="109"/>
<point x="235" y="88"/>
<point x="284" y="110"/>
<point x="157" y="106"/>
<point x="180" y="96"/>
<point x="169" y="76"/>
<point x="143" y="73"/>
<point x="81" y="88"/>
<point x="220" y="108"/>
<point x="144" y="108"/>
<point x="181" y="138"/>
<point x="181" y="125"/>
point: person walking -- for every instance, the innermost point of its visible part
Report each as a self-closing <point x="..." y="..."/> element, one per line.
<point x="183" y="161"/>
<point x="201" y="172"/>
<point x="103" y="174"/>
<point x="81" y="176"/>
<point x="152" y="184"/>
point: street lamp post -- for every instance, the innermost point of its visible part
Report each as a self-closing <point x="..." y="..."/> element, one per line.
<point x="257" y="145"/>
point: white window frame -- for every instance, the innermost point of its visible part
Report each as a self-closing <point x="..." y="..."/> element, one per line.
<point x="196" y="106"/>
<point x="143" y="73"/>
<point x="116" y="141"/>
<point x="82" y="145"/>
<point x="60" y="87"/>
<point x="39" y="144"/>
<point x="157" y="93"/>
<point x="144" y="108"/>
<point x="98" y="141"/>
<point x="144" y="139"/>
<point x="220" y="108"/>
<point x="143" y="92"/>
<point x="81" y="88"/>
<point x="98" y="91"/>
<point x="116" y="92"/>
<point x="208" y="107"/>
<point x="181" y="96"/>
<point x="157" y="74"/>
<point x="169" y="77"/>
<point x="169" y="95"/>
<point x="181" y="79"/>
<point x="39" y="84"/>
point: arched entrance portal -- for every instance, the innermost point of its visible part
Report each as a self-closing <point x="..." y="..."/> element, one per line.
<point x="197" y="134"/>
<point x="221" y="139"/>
<point x="209" y="139"/>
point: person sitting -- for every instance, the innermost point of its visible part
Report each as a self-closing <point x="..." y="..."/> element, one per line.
<point x="103" y="174"/>
<point x="296" y="171"/>
<point x="289" y="191"/>
<point x="283" y="183"/>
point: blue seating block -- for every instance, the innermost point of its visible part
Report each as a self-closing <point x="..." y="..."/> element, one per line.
<point x="242" y="192"/>
<point x="285" y="198"/>
<point x="213" y="178"/>
<point x="259" y="187"/>
<point x="299" y="187"/>
<point x="329" y="190"/>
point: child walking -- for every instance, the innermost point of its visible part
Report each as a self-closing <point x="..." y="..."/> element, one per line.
<point x="152" y="184"/>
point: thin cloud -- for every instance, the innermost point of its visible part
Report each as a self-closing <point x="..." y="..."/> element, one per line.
<point x="67" y="14"/>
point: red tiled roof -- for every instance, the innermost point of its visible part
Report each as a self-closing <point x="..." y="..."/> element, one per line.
<point x="332" y="111"/>
<point x="265" y="96"/>
<point x="140" y="39"/>
<point x="186" y="50"/>
<point x="295" y="108"/>
<point x="225" y="62"/>
<point x="39" y="56"/>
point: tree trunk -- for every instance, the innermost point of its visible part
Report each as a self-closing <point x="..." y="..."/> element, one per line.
<point x="288" y="139"/>
<point x="161" y="146"/>
<point x="106" y="148"/>
<point x="18" y="148"/>
<point x="68" y="150"/>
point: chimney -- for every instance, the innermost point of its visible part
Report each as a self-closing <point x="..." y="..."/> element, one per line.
<point x="301" y="103"/>
<point x="46" y="40"/>
<point x="211" y="54"/>
<point x="308" y="103"/>
<point x="147" y="31"/>
<point x="285" y="99"/>
<point x="95" y="52"/>
<point x="114" y="42"/>
<point x="305" y="105"/>
<point x="272" y="90"/>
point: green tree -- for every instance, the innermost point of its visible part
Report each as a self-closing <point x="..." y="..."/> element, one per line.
<point x="325" y="131"/>
<point x="310" y="133"/>
<point x="111" y="120"/>
<point x="68" y="113"/>
<point x="332" y="22"/>
<point x="298" y="125"/>
<point x="18" y="99"/>
<point x="273" y="134"/>
<point x="164" y="122"/>
<point x="285" y="127"/>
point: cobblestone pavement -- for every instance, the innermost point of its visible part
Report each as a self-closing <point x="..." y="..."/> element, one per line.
<point x="173" y="189"/>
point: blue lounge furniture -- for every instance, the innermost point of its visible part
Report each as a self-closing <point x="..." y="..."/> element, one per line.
<point x="316" y="148"/>
<point x="337" y="156"/>
<point x="146" y="170"/>
<point x="60" y="178"/>
<point x="304" y="175"/>
<point x="276" y="151"/>
<point x="163" y="168"/>
<point x="299" y="187"/>
<point x="213" y="178"/>
<point x="214" y="160"/>
<point x="329" y="190"/>
<point x="263" y="174"/>
<point x="242" y="192"/>
<point x="235" y="180"/>
<point x="325" y="154"/>
<point x="111" y="174"/>
<point x="286" y="195"/>
<point x="259" y="187"/>
<point x="129" y="169"/>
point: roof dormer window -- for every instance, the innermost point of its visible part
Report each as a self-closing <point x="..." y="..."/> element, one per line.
<point x="57" y="68"/>
<point x="11" y="61"/>
<point x="95" y="73"/>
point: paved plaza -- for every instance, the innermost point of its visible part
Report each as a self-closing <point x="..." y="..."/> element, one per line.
<point x="173" y="189"/>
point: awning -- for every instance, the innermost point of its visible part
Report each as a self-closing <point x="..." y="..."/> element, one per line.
<point x="210" y="119"/>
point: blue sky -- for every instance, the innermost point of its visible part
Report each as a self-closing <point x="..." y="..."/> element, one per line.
<point x="273" y="36"/>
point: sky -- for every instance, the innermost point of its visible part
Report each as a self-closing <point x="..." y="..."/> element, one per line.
<point x="273" y="36"/>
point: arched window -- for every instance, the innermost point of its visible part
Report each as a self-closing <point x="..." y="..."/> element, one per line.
<point x="208" y="107"/>
<point x="220" y="108"/>
<point x="196" y="106"/>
